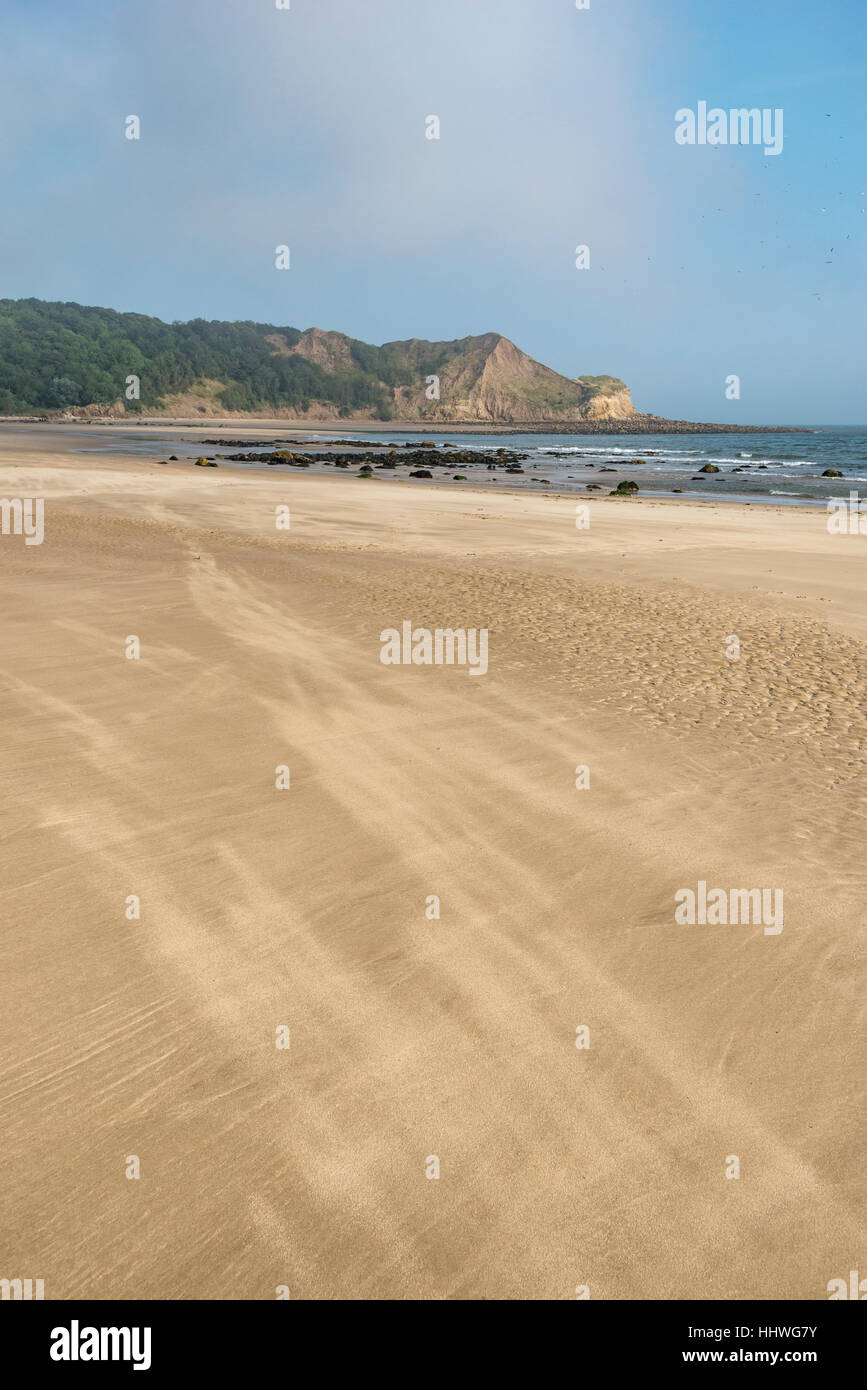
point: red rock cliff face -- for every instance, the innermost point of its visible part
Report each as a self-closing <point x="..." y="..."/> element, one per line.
<point x="503" y="385"/>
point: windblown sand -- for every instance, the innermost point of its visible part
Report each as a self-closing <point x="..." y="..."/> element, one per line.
<point x="306" y="908"/>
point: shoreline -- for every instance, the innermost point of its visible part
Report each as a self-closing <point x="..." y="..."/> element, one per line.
<point x="664" y="472"/>
<point x="649" y="424"/>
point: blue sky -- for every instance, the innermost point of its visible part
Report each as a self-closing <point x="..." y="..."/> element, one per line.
<point x="307" y="127"/>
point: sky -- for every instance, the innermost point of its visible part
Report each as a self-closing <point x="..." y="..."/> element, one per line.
<point x="306" y="127"/>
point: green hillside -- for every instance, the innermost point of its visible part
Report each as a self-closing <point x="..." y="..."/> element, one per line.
<point x="57" y="356"/>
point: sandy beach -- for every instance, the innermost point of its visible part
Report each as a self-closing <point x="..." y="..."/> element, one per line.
<point x="307" y="908"/>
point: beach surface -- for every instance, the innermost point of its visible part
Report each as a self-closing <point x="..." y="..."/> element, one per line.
<point x="414" y="1037"/>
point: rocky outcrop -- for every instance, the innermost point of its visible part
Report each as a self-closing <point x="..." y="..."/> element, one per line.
<point x="612" y="405"/>
<point x="491" y="381"/>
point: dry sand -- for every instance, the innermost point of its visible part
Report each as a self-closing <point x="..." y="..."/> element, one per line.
<point x="412" y="1037"/>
